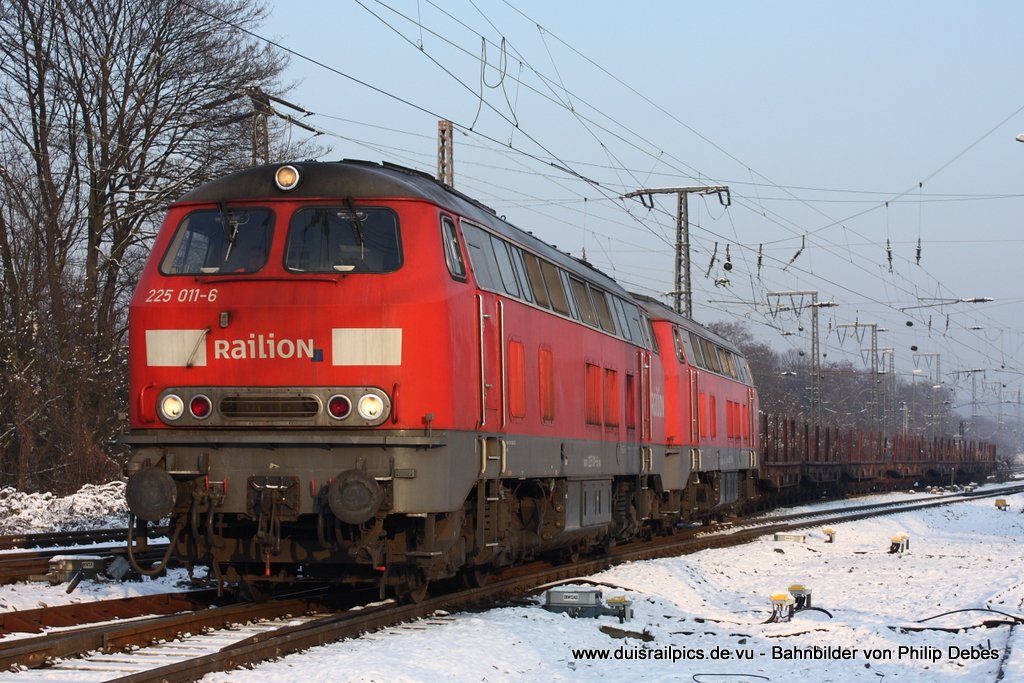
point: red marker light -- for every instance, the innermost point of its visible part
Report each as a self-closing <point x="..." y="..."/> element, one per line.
<point x="339" y="407"/>
<point x="200" y="407"/>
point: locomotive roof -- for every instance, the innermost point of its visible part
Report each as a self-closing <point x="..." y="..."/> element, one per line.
<point x="367" y="179"/>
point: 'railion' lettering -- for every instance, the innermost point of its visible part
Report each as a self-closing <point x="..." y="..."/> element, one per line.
<point x="258" y="346"/>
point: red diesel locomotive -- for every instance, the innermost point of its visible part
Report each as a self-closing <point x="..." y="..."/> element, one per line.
<point x="350" y="371"/>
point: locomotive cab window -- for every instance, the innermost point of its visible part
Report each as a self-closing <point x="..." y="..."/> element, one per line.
<point x="220" y="241"/>
<point x="343" y="240"/>
<point x="452" y="253"/>
<point x="649" y="327"/>
<point x="680" y="347"/>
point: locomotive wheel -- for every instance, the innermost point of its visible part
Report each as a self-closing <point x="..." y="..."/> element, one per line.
<point x="413" y="586"/>
<point x="571" y="555"/>
<point x="248" y="591"/>
<point x="477" y="577"/>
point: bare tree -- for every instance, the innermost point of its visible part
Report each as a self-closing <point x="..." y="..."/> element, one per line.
<point x="108" y="110"/>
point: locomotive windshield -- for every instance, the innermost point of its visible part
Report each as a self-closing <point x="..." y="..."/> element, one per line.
<point x="220" y="241"/>
<point x="342" y="240"/>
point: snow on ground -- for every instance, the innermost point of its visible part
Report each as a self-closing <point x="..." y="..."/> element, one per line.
<point x="699" y="609"/>
<point x="92" y="507"/>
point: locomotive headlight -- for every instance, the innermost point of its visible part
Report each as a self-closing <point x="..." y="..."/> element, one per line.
<point x="172" y="407"/>
<point x="370" y="407"/>
<point x="287" y="178"/>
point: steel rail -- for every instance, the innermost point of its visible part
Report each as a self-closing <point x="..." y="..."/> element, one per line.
<point x="81" y="537"/>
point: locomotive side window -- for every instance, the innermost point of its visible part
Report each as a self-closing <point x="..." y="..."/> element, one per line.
<point x="505" y="269"/>
<point x="696" y="352"/>
<point x="636" y="325"/>
<point x="620" y="315"/>
<point x="567" y="288"/>
<point x="520" y="268"/>
<point x="710" y="357"/>
<point x="723" y="367"/>
<point x="452" y="253"/>
<point x="220" y="241"/>
<point x="536" y="278"/>
<point x="481" y="257"/>
<point x="559" y="302"/>
<point x="730" y="363"/>
<point x="583" y="303"/>
<point x="604" y="313"/>
<point x="744" y="369"/>
<point x="343" y="240"/>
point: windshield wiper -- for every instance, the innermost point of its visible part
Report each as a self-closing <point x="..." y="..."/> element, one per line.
<point x="230" y="232"/>
<point x="235" y="221"/>
<point x="357" y="224"/>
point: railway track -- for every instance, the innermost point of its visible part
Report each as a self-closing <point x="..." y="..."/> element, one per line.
<point x="189" y="613"/>
<point x="34" y="558"/>
<point x="289" y="625"/>
<point x="77" y="614"/>
<point x="23" y="566"/>
<point x="905" y="505"/>
<point x="73" y="538"/>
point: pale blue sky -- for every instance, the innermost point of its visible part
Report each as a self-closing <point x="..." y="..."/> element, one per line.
<point x="815" y="114"/>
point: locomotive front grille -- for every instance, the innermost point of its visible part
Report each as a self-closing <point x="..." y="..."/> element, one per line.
<point x="269" y="407"/>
